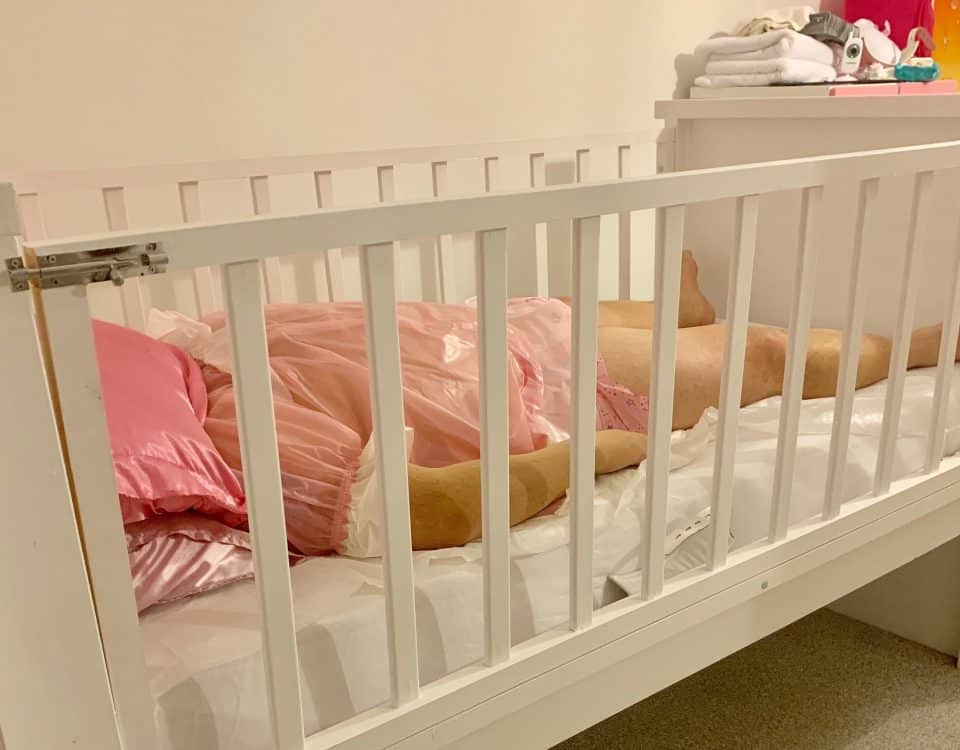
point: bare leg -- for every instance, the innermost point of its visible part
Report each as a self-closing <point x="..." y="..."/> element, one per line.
<point x="695" y="308"/>
<point x="445" y="503"/>
<point x="700" y="351"/>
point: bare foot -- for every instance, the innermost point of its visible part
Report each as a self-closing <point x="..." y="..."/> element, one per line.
<point x="695" y="308"/>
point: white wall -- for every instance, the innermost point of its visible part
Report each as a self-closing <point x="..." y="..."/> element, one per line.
<point x="106" y="83"/>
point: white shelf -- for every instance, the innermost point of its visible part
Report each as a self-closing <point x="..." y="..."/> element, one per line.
<point x="870" y="107"/>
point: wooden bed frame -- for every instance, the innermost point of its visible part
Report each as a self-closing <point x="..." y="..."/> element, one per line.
<point x="76" y="677"/>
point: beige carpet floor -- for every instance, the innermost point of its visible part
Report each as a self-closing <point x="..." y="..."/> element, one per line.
<point x="825" y="683"/>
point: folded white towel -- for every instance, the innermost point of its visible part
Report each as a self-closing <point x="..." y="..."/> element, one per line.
<point x="784" y="43"/>
<point x="764" y="73"/>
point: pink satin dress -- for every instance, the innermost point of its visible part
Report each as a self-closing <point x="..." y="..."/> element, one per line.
<point x="321" y="396"/>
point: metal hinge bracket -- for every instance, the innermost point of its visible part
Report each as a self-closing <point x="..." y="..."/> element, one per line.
<point x="87" y="267"/>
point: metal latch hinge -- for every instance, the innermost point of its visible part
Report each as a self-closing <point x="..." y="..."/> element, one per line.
<point x="87" y="267"/>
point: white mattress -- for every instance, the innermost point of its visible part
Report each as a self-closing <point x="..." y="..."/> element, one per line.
<point x="203" y="654"/>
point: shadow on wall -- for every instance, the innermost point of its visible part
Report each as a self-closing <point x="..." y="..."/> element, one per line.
<point x="687" y="67"/>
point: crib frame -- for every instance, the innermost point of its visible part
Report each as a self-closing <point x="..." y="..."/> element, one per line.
<point x="81" y="654"/>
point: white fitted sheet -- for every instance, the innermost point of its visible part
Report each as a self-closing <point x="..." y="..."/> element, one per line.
<point x="203" y="653"/>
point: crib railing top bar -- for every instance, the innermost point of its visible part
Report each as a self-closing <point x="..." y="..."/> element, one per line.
<point x="254" y="238"/>
<point x="41" y="182"/>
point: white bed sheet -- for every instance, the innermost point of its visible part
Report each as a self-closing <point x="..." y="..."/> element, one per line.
<point x="203" y="654"/>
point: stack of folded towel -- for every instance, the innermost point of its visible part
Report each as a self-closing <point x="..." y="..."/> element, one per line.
<point x="782" y="56"/>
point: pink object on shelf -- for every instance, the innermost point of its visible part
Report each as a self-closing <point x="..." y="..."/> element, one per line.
<point x="867" y="89"/>
<point x="903" y="16"/>
<point x="947" y="86"/>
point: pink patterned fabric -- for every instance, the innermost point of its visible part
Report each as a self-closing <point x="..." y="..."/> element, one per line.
<point x="321" y="397"/>
<point x="155" y="401"/>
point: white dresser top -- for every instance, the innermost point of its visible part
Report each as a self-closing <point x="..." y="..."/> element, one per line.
<point x="871" y="107"/>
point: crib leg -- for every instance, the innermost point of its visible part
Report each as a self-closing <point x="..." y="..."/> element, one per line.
<point x="920" y="601"/>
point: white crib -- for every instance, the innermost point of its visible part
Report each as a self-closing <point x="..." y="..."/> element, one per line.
<point x="78" y="678"/>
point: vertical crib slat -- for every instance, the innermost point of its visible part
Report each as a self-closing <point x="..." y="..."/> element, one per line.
<point x="626" y="252"/>
<point x="444" y="244"/>
<point x="204" y="286"/>
<point x="132" y="292"/>
<point x="386" y="184"/>
<point x="31" y="212"/>
<point x="669" y="254"/>
<point x="260" y="194"/>
<point x="948" y="353"/>
<point x="383" y="356"/>
<point x="731" y="387"/>
<point x="332" y="257"/>
<point x="800" y="314"/>
<point x="850" y="354"/>
<point x="586" y="264"/>
<point x="582" y="165"/>
<point x="494" y="442"/>
<point x="431" y="288"/>
<point x="261" y="482"/>
<point x="66" y="316"/>
<point x="491" y="174"/>
<point x="538" y="179"/>
<point x="919" y="221"/>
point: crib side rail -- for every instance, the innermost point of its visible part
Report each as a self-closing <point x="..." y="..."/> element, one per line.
<point x="239" y="249"/>
<point x="60" y="204"/>
<point x="54" y="688"/>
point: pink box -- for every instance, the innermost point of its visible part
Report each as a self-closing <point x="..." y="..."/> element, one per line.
<point x="867" y="89"/>
<point x="944" y="86"/>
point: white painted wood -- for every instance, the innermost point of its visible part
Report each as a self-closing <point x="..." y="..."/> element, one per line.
<point x="491" y="174"/>
<point x="386" y="398"/>
<point x="332" y="257"/>
<point x="581" y="165"/>
<point x="585" y="692"/>
<point x="437" y="277"/>
<point x="552" y="654"/>
<point x="443" y="244"/>
<point x="494" y="442"/>
<point x="133" y="293"/>
<point x="919" y="222"/>
<point x="204" y="286"/>
<point x="261" y="482"/>
<point x="583" y="422"/>
<point x="731" y="385"/>
<point x="241" y="169"/>
<point x="945" y="367"/>
<point x="663" y="358"/>
<point x="623" y="227"/>
<point x="809" y="108"/>
<point x="797" y="344"/>
<point x="850" y="353"/>
<point x="540" y="258"/>
<point x="40" y="705"/>
<point x="89" y="459"/>
<point x="273" y="280"/>
<point x="386" y="184"/>
<point x="34" y="227"/>
<point x="538" y="668"/>
<point x="234" y="241"/>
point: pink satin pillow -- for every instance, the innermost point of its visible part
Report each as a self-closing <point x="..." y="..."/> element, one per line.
<point x="155" y="400"/>
<point x="182" y="554"/>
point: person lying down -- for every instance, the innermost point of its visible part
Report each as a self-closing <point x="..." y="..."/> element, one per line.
<point x="321" y="395"/>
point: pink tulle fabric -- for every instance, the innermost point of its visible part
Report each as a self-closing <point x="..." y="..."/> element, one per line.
<point x="155" y="402"/>
<point x="321" y="397"/>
